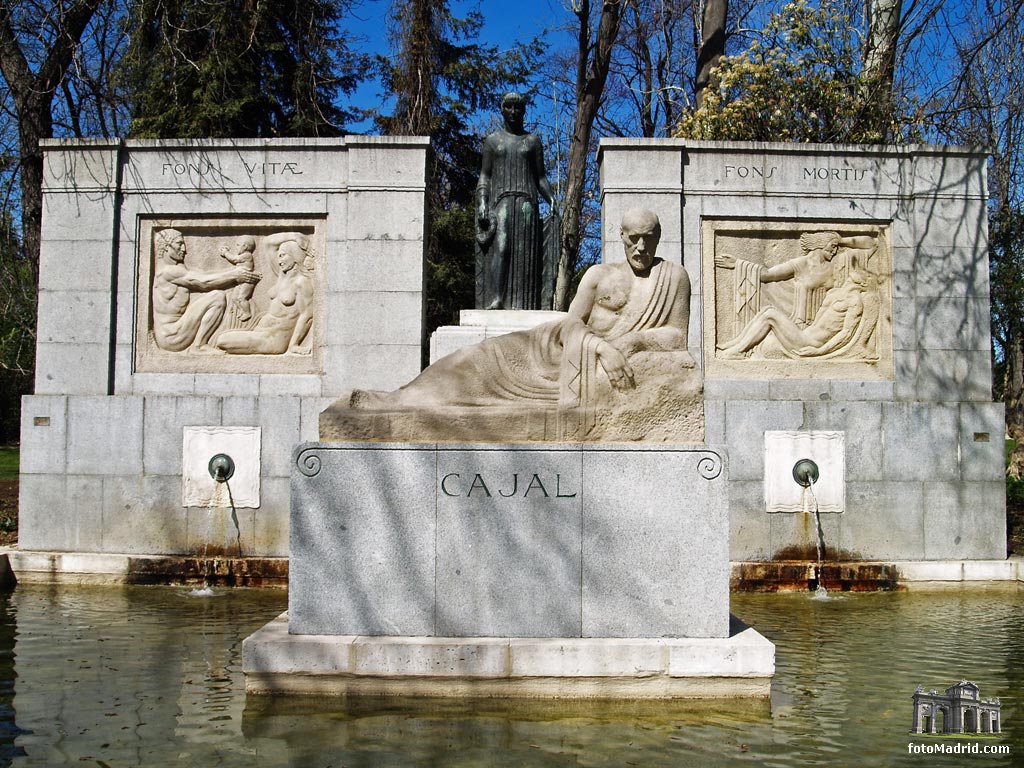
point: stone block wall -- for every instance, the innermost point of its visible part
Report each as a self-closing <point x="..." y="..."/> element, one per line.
<point x="102" y="435"/>
<point x="923" y="440"/>
<point x="102" y="440"/>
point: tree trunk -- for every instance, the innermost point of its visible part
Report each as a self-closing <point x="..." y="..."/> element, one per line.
<point x="33" y="95"/>
<point x="34" y="123"/>
<point x="712" y="46"/>
<point x="591" y="74"/>
<point x="879" y="68"/>
<point x="416" y="84"/>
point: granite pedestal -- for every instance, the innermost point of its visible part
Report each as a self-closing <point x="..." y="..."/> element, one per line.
<point x="458" y="568"/>
<point x="475" y="325"/>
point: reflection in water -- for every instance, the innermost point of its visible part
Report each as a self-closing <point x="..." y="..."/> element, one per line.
<point x="151" y="676"/>
<point x="9" y="729"/>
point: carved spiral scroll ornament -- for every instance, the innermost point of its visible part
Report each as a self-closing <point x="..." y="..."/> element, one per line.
<point x="710" y="466"/>
<point x="309" y="462"/>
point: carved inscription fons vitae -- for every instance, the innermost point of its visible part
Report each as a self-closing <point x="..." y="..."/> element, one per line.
<point x="206" y="169"/>
<point x="227" y="289"/>
<point x="811" y="296"/>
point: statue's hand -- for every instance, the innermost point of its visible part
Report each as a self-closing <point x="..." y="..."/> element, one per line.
<point x="687" y="360"/>
<point x="628" y="344"/>
<point x="725" y="261"/>
<point x="615" y="364"/>
<point x="243" y="275"/>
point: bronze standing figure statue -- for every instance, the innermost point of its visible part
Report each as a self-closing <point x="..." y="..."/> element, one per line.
<point x="512" y="272"/>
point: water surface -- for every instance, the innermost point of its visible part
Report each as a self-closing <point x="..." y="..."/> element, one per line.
<point x="151" y="676"/>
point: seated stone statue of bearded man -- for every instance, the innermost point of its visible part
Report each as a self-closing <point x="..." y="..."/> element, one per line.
<point x="615" y="368"/>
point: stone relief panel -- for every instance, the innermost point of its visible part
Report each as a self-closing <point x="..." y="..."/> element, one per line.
<point x="797" y="299"/>
<point x="229" y="295"/>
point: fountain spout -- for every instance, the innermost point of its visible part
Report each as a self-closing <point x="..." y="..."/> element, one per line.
<point x="806" y="474"/>
<point x="222" y="468"/>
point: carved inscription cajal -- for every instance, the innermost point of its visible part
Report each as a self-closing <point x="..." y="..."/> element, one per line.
<point x="798" y="300"/>
<point x="464" y="484"/>
<point x="228" y="296"/>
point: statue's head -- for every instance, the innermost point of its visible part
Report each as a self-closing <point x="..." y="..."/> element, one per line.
<point x="245" y="243"/>
<point x="513" y="110"/>
<point x="295" y="252"/>
<point x="820" y="241"/>
<point x="290" y="255"/>
<point x="170" y="243"/>
<point x="640" y="232"/>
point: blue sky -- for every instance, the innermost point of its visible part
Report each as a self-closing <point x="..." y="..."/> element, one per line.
<point x="504" y="21"/>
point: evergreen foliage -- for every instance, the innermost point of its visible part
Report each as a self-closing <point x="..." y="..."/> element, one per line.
<point x="1006" y="281"/>
<point x="17" y="302"/>
<point x="1006" y="266"/>
<point x="17" y="328"/>
<point x="239" y="68"/>
<point x="443" y="80"/>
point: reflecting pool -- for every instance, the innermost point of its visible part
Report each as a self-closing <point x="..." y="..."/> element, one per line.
<point x="151" y="676"/>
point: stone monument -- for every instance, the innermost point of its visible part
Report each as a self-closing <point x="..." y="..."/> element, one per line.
<point x="539" y="559"/>
<point x="843" y="313"/>
<point x="215" y="297"/>
<point x="512" y="270"/>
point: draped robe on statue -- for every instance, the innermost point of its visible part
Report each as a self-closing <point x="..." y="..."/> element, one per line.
<point x="512" y="186"/>
<point x="555" y="366"/>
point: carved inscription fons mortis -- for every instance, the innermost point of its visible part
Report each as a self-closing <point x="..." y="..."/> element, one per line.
<point x="798" y="299"/>
<point x="808" y="174"/>
<point x="228" y="295"/>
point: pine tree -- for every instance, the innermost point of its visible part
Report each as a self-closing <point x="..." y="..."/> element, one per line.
<point x="239" y="68"/>
<point x="441" y="80"/>
<point x="38" y="43"/>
